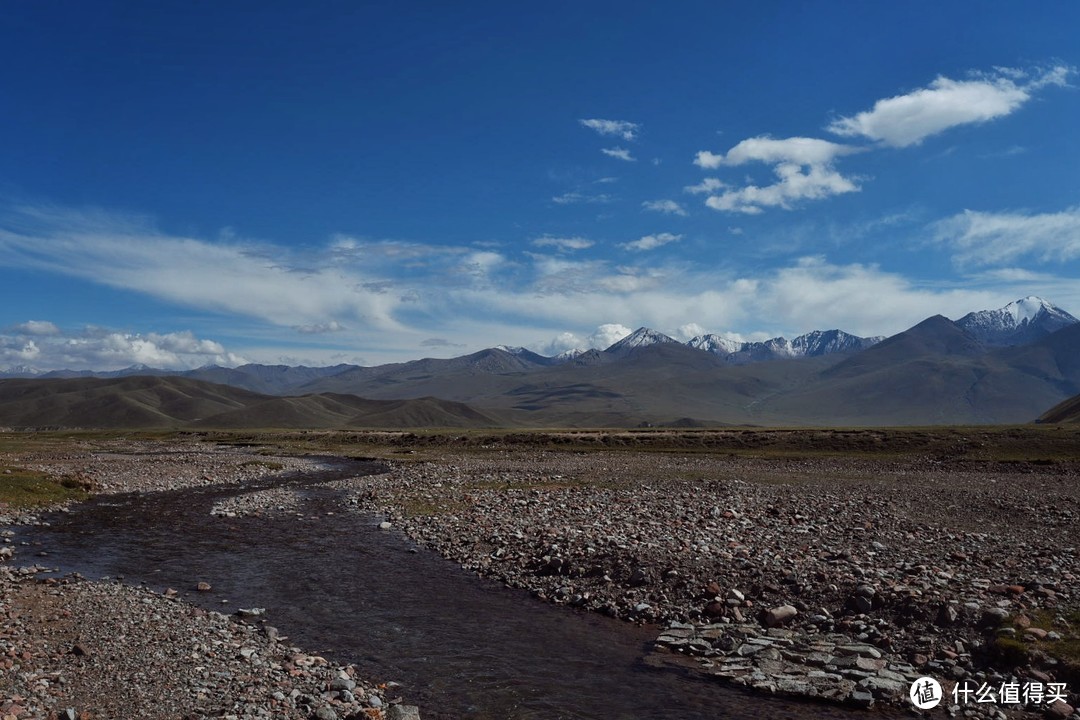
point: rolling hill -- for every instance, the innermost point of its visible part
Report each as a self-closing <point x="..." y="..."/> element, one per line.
<point x="173" y="402"/>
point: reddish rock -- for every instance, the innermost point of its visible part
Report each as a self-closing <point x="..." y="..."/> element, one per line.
<point x="1059" y="711"/>
<point x="715" y="609"/>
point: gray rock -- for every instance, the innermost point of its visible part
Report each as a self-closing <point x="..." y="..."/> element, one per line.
<point x="403" y="712"/>
<point x="325" y="712"/>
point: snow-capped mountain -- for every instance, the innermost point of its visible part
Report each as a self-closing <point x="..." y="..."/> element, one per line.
<point x="20" y="371"/>
<point x="1019" y="323"/>
<point x="812" y="344"/>
<point x="824" y="342"/>
<point x="716" y="344"/>
<point x="642" y="337"/>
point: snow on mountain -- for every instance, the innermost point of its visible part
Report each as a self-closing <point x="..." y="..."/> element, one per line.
<point x="716" y="344"/>
<point x="642" y="337"/>
<point x="812" y="344"/>
<point x="20" y="371"/>
<point x="824" y="342"/>
<point x="1019" y="323"/>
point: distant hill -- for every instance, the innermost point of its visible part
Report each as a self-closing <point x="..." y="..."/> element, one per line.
<point x="1067" y="411"/>
<point x="991" y="367"/>
<point x="173" y="402"/>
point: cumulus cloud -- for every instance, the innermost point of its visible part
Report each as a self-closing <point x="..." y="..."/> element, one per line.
<point x="37" y="327"/>
<point x="908" y="119"/>
<point x="607" y="335"/>
<point x="667" y="207"/>
<point x="708" y="186"/>
<point x="981" y="238"/>
<point x="769" y="150"/>
<point x="689" y="331"/>
<point x="619" y="153"/>
<point x="563" y="243"/>
<point x="803" y="166"/>
<point x="618" y="128"/>
<point x="649" y="242"/>
<point x="600" y="339"/>
<point x="103" y="349"/>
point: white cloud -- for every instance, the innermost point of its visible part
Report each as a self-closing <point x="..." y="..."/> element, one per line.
<point x="765" y="149"/>
<point x="601" y="338"/>
<point x="320" y="328"/>
<point x="706" y="187"/>
<point x="37" y="327"/>
<point x="619" y="128"/>
<point x="689" y="331"/>
<point x="815" y="182"/>
<point x="619" y="153"/>
<point x="667" y="207"/>
<point x="576" y="198"/>
<point x="563" y="243"/>
<point x="802" y="165"/>
<point x="981" y="239"/>
<point x="649" y="242"/>
<point x="607" y="335"/>
<point x="264" y="282"/>
<point x="476" y="299"/>
<point x="908" y="119"/>
<point x="111" y="350"/>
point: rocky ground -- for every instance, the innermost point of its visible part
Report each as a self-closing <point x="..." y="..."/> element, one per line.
<point x="836" y="578"/>
<point x="71" y="648"/>
<point x="841" y="578"/>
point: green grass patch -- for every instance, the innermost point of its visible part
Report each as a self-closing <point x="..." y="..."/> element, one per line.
<point x="428" y="507"/>
<point x="21" y="488"/>
<point x="1066" y="650"/>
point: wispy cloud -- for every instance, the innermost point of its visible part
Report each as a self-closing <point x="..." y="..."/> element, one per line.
<point x="908" y="119"/>
<point x="439" y="343"/>
<point x="577" y="198"/>
<point x="667" y="207"/>
<point x="619" y="154"/>
<point x="563" y="243"/>
<point x="389" y="297"/>
<point x="36" y="327"/>
<point x="650" y="242"/>
<point x="803" y="166"/>
<point x="320" y="328"/>
<point x="619" y="128"/>
<point x="981" y="239"/>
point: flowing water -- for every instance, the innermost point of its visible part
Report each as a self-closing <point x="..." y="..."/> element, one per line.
<point x="462" y="647"/>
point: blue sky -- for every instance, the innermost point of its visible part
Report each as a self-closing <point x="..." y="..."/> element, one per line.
<point x="186" y="183"/>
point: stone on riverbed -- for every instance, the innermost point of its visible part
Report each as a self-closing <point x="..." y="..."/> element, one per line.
<point x="779" y="615"/>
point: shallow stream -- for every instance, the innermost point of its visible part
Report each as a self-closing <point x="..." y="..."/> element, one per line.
<point x="463" y="648"/>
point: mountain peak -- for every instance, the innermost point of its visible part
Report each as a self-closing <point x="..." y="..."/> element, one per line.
<point x="1021" y="322"/>
<point x="642" y="337"/>
<point x="1027" y="309"/>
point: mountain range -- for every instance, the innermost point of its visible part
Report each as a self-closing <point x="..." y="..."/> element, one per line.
<point x="999" y="366"/>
